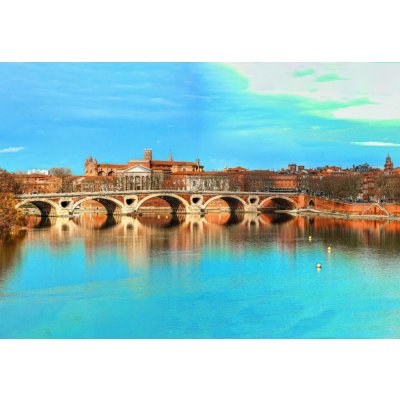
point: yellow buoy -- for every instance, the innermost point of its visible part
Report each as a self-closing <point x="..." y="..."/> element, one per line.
<point x="318" y="266"/>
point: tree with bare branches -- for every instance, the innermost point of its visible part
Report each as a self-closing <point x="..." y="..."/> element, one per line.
<point x="9" y="218"/>
<point x="65" y="174"/>
<point x="388" y="188"/>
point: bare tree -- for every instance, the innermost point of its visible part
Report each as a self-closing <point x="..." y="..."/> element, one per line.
<point x="388" y="187"/>
<point x="8" y="184"/>
<point x="60" y="172"/>
<point x="340" y="187"/>
<point x="65" y="174"/>
<point x="9" y="217"/>
<point x="255" y="182"/>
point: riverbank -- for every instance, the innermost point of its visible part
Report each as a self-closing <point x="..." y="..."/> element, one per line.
<point x="11" y="222"/>
<point x="335" y="214"/>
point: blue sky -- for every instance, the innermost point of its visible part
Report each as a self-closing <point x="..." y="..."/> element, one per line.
<point x="257" y="115"/>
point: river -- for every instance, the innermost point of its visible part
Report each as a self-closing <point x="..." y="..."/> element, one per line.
<point x="216" y="276"/>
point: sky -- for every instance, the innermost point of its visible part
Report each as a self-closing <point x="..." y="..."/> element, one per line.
<point x="256" y="115"/>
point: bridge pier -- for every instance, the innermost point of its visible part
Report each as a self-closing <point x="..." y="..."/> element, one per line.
<point x="194" y="209"/>
<point x="63" y="212"/>
<point x="127" y="210"/>
<point x="251" y="208"/>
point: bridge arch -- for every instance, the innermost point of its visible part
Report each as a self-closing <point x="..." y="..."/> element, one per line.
<point x="110" y="203"/>
<point x="176" y="202"/>
<point x="234" y="202"/>
<point x="46" y="207"/>
<point x="278" y="202"/>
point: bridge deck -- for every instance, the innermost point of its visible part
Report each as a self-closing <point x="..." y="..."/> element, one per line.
<point x="147" y="192"/>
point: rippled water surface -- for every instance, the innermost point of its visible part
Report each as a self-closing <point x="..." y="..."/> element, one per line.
<point x="218" y="276"/>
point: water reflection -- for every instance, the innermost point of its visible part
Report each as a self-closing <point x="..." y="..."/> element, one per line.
<point x="36" y="222"/>
<point x="161" y="220"/>
<point x="217" y="275"/>
<point x="96" y="221"/>
<point x="10" y="255"/>
<point x="139" y="238"/>
<point x="226" y="218"/>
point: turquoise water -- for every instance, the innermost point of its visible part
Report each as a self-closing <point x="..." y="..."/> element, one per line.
<point x="215" y="277"/>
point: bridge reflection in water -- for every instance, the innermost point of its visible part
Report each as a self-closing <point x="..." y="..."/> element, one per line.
<point x="217" y="275"/>
<point x="138" y="237"/>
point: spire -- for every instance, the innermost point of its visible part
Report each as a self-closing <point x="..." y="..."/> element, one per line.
<point x="388" y="164"/>
<point x="170" y="156"/>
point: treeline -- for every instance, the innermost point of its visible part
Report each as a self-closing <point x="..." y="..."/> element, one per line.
<point x="346" y="187"/>
<point x="388" y="188"/>
<point x="9" y="218"/>
<point x="349" y="187"/>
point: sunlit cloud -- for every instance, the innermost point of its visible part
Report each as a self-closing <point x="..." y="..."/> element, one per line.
<point x="335" y="83"/>
<point x="304" y="72"/>
<point x="329" y="78"/>
<point x="376" y="144"/>
<point x="12" y="149"/>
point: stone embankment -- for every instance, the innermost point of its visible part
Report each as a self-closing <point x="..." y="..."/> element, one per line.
<point x="337" y="209"/>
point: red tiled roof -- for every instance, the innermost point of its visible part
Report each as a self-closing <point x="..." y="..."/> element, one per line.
<point x="171" y="163"/>
<point x="112" y="165"/>
<point x="161" y="168"/>
<point x="204" y="173"/>
<point x="238" y="168"/>
<point x="34" y="176"/>
<point x="89" y="177"/>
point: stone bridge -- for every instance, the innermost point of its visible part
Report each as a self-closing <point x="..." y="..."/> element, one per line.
<point x="175" y="201"/>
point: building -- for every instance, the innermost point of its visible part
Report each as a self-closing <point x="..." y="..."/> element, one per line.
<point x="93" y="184"/>
<point x="292" y="168"/>
<point x="93" y="168"/>
<point x="144" y="174"/>
<point x="38" y="183"/>
<point x="149" y="174"/>
<point x="200" y="181"/>
<point x="362" y="168"/>
<point x="234" y="179"/>
<point x="38" y="171"/>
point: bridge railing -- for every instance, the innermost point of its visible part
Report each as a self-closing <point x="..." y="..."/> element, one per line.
<point x="161" y="191"/>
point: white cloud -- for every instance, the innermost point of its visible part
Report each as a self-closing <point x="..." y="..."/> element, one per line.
<point x="12" y="149"/>
<point x="340" y="82"/>
<point x="376" y="144"/>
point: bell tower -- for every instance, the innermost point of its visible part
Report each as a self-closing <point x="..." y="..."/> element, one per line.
<point x="90" y="167"/>
<point x="148" y="155"/>
<point x="388" y="164"/>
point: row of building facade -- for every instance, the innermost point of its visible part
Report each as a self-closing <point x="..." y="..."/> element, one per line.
<point x="149" y="174"/>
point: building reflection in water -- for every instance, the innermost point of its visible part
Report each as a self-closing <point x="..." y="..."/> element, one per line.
<point x="179" y="240"/>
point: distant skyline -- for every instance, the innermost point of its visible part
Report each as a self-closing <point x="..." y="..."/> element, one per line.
<point x="257" y="115"/>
